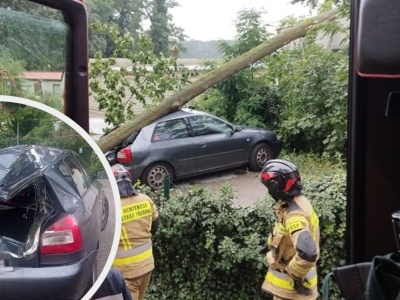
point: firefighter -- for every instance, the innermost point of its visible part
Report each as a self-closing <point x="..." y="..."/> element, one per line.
<point x="113" y="287"/>
<point x="294" y="243"/>
<point x="139" y="222"/>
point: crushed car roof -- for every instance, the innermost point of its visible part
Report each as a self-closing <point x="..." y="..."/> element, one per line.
<point x="20" y="163"/>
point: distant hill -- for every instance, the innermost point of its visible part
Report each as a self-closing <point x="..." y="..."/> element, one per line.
<point x="200" y="49"/>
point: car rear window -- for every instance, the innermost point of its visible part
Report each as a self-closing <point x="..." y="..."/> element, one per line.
<point x="74" y="173"/>
<point x="6" y="160"/>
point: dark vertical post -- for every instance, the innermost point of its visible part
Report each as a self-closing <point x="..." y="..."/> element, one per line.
<point x="167" y="185"/>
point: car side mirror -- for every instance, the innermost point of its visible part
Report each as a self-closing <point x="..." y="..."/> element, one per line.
<point x="231" y="132"/>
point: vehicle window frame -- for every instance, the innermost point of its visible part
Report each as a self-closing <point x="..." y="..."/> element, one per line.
<point x="196" y="132"/>
<point x="85" y="169"/>
<point x="70" y="179"/>
<point x="76" y="85"/>
<point x="185" y="127"/>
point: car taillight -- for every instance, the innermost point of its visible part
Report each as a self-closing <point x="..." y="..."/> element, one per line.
<point x="64" y="236"/>
<point x="124" y="155"/>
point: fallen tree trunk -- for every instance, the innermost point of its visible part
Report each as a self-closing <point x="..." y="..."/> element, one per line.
<point x="206" y="81"/>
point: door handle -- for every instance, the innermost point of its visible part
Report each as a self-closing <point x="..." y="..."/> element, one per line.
<point x="202" y="145"/>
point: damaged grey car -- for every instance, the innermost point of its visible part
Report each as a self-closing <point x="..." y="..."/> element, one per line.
<point x="51" y="214"/>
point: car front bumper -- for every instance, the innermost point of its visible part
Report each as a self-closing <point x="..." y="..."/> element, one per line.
<point x="50" y="282"/>
<point x="276" y="148"/>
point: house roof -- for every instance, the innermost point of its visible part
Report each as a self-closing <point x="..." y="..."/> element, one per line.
<point x="43" y="75"/>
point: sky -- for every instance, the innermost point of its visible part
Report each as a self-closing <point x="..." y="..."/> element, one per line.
<point x="213" y="19"/>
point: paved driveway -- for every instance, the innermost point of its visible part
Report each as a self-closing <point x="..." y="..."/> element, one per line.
<point x="247" y="187"/>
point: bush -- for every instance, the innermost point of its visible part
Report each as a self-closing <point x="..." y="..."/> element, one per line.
<point x="208" y="249"/>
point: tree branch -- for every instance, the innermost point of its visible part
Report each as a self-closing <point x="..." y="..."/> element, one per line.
<point x="206" y="81"/>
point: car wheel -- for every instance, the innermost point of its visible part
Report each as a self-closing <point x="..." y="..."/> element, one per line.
<point x="260" y="154"/>
<point x="153" y="176"/>
<point x="106" y="211"/>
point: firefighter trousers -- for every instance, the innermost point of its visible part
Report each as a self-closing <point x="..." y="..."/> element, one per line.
<point x="138" y="285"/>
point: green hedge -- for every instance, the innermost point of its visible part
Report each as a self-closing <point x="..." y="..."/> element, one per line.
<point x="208" y="249"/>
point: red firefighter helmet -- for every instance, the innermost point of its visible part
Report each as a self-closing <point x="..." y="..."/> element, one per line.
<point x="282" y="179"/>
<point x="124" y="181"/>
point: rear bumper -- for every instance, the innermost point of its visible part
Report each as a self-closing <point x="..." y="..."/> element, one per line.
<point x="135" y="171"/>
<point x="67" y="282"/>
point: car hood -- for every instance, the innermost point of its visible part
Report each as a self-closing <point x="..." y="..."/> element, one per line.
<point x="20" y="164"/>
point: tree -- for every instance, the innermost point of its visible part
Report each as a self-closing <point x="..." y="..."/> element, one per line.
<point x="10" y="73"/>
<point x="312" y="82"/>
<point x="150" y="77"/>
<point x="99" y="12"/>
<point x="28" y="125"/>
<point x="128" y="17"/>
<point x="244" y="98"/>
<point x="35" y="32"/>
<point x="208" y="80"/>
<point x="159" y="30"/>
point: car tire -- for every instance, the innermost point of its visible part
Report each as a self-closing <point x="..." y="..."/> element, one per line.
<point x="260" y="154"/>
<point x="153" y="176"/>
<point x="106" y="212"/>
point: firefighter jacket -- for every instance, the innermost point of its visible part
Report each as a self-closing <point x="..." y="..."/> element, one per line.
<point x="294" y="251"/>
<point x="134" y="257"/>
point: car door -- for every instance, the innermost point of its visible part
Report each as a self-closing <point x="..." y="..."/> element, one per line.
<point x="216" y="144"/>
<point x="172" y="142"/>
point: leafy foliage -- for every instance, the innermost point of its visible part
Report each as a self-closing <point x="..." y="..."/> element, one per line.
<point x="34" y="35"/>
<point x="159" y="30"/>
<point x="130" y="17"/>
<point x="149" y="78"/>
<point x="244" y="98"/>
<point x="324" y="5"/>
<point x="207" y="248"/>
<point x="22" y="124"/>
<point x="9" y="66"/>
<point x="312" y="83"/>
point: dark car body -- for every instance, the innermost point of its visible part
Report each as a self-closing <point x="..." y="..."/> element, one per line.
<point x="188" y="143"/>
<point x="51" y="215"/>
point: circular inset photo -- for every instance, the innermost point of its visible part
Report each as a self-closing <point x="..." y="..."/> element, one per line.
<point x="58" y="212"/>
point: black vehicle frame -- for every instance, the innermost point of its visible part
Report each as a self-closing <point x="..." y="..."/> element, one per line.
<point x="374" y="127"/>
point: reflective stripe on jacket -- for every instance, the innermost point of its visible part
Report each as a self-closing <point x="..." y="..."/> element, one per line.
<point x="284" y="281"/>
<point x="135" y="255"/>
<point x="294" y="250"/>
